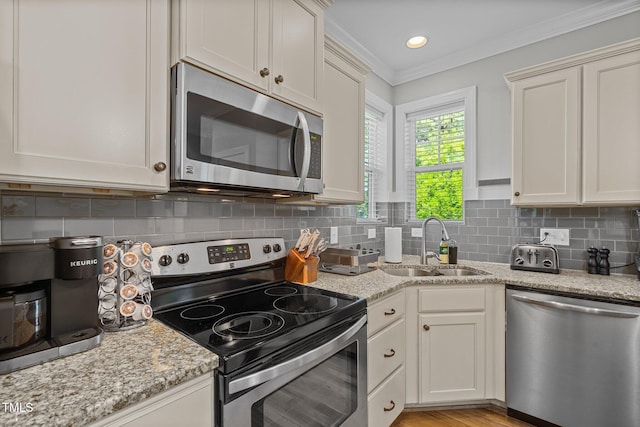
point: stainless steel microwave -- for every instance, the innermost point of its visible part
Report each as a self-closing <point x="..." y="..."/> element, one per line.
<point x="230" y="139"/>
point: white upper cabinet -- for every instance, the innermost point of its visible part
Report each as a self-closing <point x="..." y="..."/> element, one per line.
<point x="343" y="138"/>
<point x="84" y="100"/>
<point x="576" y="129"/>
<point x="274" y="46"/>
<point x="611" y="138"/>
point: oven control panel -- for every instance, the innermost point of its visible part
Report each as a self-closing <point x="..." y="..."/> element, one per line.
<point x="214" y="256"/>
<point x="226" y="253"/>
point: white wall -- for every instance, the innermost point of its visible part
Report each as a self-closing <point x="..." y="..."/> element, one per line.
<point x="494" y="141"/>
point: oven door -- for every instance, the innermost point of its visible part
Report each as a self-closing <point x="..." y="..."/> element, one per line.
<point x="323" y="383"/>
<point x="227" y="135"/>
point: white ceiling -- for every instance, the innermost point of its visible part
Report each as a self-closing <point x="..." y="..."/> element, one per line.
<point x="459" y="31"/>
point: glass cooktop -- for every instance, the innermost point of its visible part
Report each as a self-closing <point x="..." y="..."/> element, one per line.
<point x="244" y="326"/>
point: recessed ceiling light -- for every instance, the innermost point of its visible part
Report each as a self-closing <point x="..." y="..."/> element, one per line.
<point x="416" y="42"/>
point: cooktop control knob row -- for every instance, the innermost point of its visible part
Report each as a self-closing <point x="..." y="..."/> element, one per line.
<point x="268" y="248"/>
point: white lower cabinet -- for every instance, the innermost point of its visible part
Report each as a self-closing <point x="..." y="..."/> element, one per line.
<point x="385" y="359"/>
<point x="455" y="344"/>
<point x="189" y="404"/>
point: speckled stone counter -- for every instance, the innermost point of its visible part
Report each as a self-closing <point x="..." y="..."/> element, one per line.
<point x="377" y="284"/>
<point x="130" y="366"/>
<point x="125" y="369"/>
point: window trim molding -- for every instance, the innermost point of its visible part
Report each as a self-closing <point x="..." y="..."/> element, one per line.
<point x="466" y="95"/>
<point x="375" y="102"/>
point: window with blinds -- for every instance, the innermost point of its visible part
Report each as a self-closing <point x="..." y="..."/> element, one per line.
<point x="435" y="160"/>
<point x="374" y="140"/>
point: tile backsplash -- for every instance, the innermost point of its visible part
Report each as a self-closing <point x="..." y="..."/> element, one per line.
<point x="490" y="228"/>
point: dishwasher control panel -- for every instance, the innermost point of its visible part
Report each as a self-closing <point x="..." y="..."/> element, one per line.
<point x="535" y="257"/>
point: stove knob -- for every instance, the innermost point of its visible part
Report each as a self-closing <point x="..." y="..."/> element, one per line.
<point x="277" y="247"/>
<point x="266" y="249"/>
<point x="183" y="258"/>
<point x="165" y="260"/>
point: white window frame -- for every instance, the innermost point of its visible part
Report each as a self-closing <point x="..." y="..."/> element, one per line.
<point x="467" y="96"/>
<point x="381" y="194"/>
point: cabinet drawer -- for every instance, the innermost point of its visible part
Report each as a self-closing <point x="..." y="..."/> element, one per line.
<point x="385" y="352"/>
<point x="385" y="312"/>
<point x="468" y="299"/>
<point x="386" y="403"/>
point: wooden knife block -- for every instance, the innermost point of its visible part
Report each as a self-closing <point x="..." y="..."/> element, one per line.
<point x="299" y="269"/>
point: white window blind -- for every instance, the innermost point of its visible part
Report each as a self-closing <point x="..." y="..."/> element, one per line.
<point x="435" y="160"/>
<point x="374" y="162"/>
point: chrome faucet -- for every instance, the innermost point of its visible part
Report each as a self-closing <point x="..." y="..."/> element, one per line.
<point x="424" y="256"/>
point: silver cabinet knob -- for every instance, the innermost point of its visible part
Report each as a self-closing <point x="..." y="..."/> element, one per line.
<point x="279" y="79"/>
<point x="264" y="72"/>
<point x="160" y="167"/>
<point x="426" y="327"/>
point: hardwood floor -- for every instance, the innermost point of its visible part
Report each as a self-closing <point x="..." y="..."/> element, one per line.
<point x="474" y="417"/>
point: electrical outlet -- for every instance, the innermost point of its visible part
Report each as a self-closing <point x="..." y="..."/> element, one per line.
<point x="371" y="233"/>
<point x="333" y="238"/>
<point x="416" y="232"/>
<point x="555" y="236"/>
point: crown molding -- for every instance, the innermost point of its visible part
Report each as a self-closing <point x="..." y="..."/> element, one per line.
<point x="563" y="24"/>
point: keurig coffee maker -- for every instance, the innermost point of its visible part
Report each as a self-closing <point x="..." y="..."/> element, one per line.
<point x="48" y="300"/>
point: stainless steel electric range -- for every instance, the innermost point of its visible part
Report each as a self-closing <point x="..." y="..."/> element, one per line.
<point x="290" y="354"/>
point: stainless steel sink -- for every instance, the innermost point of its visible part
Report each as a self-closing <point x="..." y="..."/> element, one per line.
<point x="409" y="272"/>
<point x="418" y="272"/>
<point x="456" y="272"/>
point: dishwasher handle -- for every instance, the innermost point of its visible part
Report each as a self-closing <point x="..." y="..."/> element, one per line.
<point x="576" y="308"/>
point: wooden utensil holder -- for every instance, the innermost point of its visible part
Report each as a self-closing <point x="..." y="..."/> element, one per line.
<point x="299" y="269"/>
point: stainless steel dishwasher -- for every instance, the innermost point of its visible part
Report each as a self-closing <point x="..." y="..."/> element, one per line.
<point x="572" y="361"/>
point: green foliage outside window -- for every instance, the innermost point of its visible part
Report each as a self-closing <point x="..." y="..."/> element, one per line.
<point x="439" y="154"/>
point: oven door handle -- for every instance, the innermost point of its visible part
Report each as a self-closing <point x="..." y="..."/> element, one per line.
<point x="306" y="156"/>
<point x="324" y="350"/>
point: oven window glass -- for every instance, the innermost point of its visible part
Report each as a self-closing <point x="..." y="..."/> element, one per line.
<point x="326" y="395"/>
<point x="220" y="134"/>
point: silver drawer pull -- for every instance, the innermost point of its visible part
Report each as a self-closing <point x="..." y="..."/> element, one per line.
<point x="393" y="353"/>
<point x="390" y="312"/>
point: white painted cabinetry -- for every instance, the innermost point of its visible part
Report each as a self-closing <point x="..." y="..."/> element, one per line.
<point x="385" y="359"/>
<point x="455" y="344"/>
<point x="274" y="46"/>
<point x="575" y="129"/>
<point x="189" y="404"/>
<point x="84" y="94"/>
<point x="343" y="138"/>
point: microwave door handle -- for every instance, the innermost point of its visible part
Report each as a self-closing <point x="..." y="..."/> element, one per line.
<point x="306" y="157"/>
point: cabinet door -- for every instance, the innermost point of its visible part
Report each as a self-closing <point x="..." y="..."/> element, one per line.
<point x="230" y="37"/>
<point x="451" y="357"/>
<point x="297" y="52"/>
<point x="85" y="93"/>
<point x="611" y="136"/>
<point x="546" y="131"/>
<point x="343" y="138"/>
<point x="189" y="404"/>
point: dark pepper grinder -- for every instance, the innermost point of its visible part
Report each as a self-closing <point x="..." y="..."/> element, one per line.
<point x="592" y="262"/>
<point x="604" y="261"/>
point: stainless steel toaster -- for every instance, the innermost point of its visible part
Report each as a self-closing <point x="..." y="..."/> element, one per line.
<point x="535" y="257"/>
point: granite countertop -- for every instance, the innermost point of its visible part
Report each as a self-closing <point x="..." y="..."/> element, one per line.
<point x="124" y="369"/>
<point x="377" y="283"/>
<point x="130" y="366"/>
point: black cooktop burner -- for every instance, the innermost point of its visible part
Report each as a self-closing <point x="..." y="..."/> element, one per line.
<point x="202" y="312"/>
<point x="306" y="304"/>
<point x="246" y="326"/>
<point x="279" y="291"/>
<point x="241" y="327"/>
